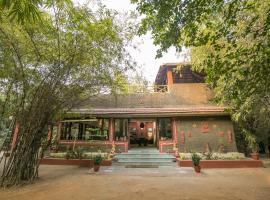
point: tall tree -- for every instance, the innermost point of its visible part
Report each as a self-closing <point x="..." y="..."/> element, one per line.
<point x="230" y="40"/>
<point x="49" y="66"/>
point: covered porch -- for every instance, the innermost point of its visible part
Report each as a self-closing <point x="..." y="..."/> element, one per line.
<point x="124" y="133"/>
<point x="127" y="128"/>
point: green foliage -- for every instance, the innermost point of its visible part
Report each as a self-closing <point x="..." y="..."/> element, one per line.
<point x="251" y="140"/>
<point x="196" y="159"/>
<point x="5" y="132"/>
<point x="230" y="41"/>
<point x="208" y="156"/>
<point x="214" y="156"/>
<point x="52" y="65"/>
<point x="91" y="155"/>
<point x="97" y="159"/>
<point x="58" y="155"/>
<point x="22" y="11"/>
<point x="77" y="153"/>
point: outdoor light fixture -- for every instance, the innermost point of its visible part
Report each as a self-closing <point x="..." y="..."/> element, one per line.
<point x="142" y="125"/>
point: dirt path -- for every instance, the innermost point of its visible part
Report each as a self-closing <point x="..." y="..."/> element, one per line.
<point x="63" y="182"/>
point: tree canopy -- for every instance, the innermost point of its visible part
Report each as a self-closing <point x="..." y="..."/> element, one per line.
<point x="50" y="63"/>
<point x="230" y="41"/>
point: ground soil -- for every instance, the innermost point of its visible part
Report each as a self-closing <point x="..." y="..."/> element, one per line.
<point x="69" y="182"/>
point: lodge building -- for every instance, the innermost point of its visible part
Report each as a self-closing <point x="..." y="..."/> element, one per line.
<point x="178" y="112"/>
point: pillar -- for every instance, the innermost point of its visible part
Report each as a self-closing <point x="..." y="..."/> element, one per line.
<point x="15" y="135"/>
<point x="59" y="131"/>
<point x="49" y="134"/>
<point x="111" y="129"/>
<point x="169" y="79"/>
<point x="174" y="130"/>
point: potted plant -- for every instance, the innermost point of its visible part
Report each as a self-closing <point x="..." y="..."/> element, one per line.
<point x="253" y="146"/>
<point x="196" y="162"/>
<point x="97" y="161"/>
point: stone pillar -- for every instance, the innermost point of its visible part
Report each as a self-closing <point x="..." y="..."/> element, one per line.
<point x="111" y="129"/>
<point x="15" y="135"/>
<point x="169" y="79"/>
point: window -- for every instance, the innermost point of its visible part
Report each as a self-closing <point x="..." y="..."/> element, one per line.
<point x="121" y="126"/>
<point x="69" y="131"/>
<point x="85" y="130"/>
<point x="98" y="130"/>
<point x="165" y="130"/>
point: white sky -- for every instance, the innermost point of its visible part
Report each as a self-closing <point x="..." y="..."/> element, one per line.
<point x="145" y="55"/>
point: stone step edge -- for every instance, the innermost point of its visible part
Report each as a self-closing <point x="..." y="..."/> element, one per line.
<point x="168" y="159"/>
<point x="144" y="156"/>
<point x="143" y="161"/>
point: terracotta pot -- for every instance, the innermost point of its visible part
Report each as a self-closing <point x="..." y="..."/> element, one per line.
<point x="197" y="168"/>
<point x="254" y="156"/>
<point x="96" y="168"/>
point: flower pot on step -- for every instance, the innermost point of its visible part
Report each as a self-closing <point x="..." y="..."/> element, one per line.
<point x="197" y="168"/>
<point x="96" y="168"/>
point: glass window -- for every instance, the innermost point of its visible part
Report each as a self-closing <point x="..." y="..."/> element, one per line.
<point x="97" y="130"/>
<point x="87" y="130"/>
<point x="120" y="128"/>
<point x="165" y="129"/>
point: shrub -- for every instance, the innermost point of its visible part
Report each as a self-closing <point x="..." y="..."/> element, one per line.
<point x="79" y="152"/>
<point x="214" y="156"/>
<point x="196" y="158"/>
<point x="70" y="154"/>
<point x="91" y="155"/>
<point x="58" y="155"/>
<point x="208" y="156"/>
<point x="97" y="159"/>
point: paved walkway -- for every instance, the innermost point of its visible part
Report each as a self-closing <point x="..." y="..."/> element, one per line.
<point x="161" y="171"/>
<point x="118" y="182"/>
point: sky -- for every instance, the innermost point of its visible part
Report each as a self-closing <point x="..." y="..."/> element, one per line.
<point x="146" y="50"/>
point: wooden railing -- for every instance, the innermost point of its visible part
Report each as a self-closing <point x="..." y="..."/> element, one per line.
<point x="146" y="89"/>
<point x="133" y="89"/>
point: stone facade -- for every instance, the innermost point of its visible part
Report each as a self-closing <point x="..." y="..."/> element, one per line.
<point x="204" y="133"/>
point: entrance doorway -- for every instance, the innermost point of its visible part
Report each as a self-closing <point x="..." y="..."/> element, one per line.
<point x="142" y="133"/>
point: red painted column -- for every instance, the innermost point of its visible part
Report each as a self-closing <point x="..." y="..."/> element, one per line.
<point x="49" y="134"/>
<point x="15" y="135"/>
<point x="169" y="79"/>
<point x="174" y="130"/>
<point x="59" y="131"/>
<point x="111" y="129"/>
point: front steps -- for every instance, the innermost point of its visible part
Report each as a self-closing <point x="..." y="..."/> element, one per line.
<point x="144" y="157"/>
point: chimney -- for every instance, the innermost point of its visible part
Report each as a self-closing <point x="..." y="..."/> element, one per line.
<point x="169" y="78"/>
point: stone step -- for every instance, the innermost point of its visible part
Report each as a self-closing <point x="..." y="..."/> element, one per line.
<point x="120" y="156"/>
<point x="148" y="156"/>
<point x="143" y="152"/>
<point x="145" y="160"/>
<point x="145" y="163"/>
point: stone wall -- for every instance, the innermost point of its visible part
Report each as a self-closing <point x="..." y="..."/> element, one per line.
<point x="200" y="133"/>
<point x="180" y="95"/>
